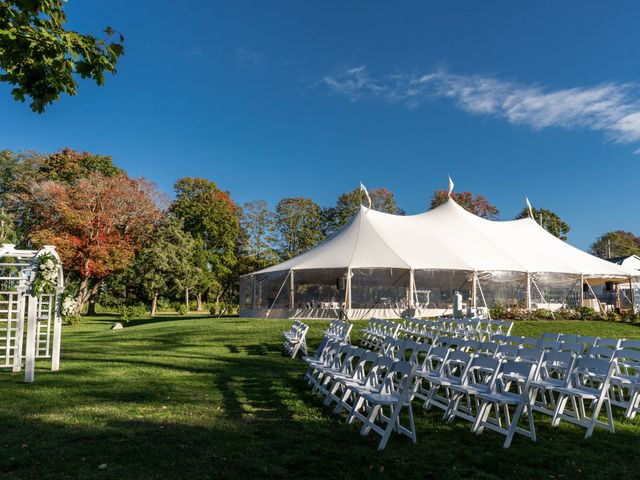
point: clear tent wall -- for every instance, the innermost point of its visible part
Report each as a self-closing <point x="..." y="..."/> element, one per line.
<point x="393" y="293"/>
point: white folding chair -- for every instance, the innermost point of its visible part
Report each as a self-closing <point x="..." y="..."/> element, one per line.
<point x="394" y="394"/>
<point x="552" y="372"/>
<point x="625" y="382"/>
<point x="588" y="382"/>
<point x="511" y="389"/>
<point x="479" y="377"/>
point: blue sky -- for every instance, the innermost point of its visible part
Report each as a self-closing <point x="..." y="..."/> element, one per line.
<point x="289" y="98"/>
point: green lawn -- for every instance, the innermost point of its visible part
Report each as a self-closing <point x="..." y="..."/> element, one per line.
<point x="214" y="398"/>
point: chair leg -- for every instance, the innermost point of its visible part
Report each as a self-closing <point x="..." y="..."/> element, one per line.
<point x="560" y="405"/>
<point x="366" y="426"/>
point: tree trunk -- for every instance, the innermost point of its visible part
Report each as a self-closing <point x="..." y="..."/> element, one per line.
<point x="186" y="297"/>
<point x="86" y="292"/>
<point x="83" y="294"/>
<point x="154" y="303"/>
<point x="199" y="301"/>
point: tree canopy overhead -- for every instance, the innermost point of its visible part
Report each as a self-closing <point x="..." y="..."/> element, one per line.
<point x="476" y="204"/>
<point x="41" y="58"/>
<point x="548" y="220"/>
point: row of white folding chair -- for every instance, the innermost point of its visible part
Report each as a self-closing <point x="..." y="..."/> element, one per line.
<point x="296" y="339"/>
<point x="338" y="330"/>
<point x="472" y="387"/>
<point x="377" y="330"/>
<point x="513" y="377"/>
<point x="365" y="384"/>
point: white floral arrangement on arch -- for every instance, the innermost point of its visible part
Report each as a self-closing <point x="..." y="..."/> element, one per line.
<point x="46" y="277"/>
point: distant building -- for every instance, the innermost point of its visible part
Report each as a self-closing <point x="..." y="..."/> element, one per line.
<point x="630" y="262"/>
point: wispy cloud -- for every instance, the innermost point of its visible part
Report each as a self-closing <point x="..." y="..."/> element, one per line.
<point x="248" y="58"/>
<point x="611" y="108"/>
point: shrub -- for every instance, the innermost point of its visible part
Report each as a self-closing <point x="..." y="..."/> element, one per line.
<point x="72" y="319"/>
<point x="182" y="308"/>
<point x="129" y="312"/>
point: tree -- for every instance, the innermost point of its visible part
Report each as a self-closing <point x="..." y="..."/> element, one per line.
<point x="166" y="263"/>
<point x="299" y="223"/>
<point x="69" y="165"/>
<point x="97" y="223"/>
<point x="210" y="216"/>
<point x="476" y="204"/>
<point x="19" y="172"/>
<point x="257" y="234"/>
<point x="548" y="220"/>
<point x="7" y="227"/>
<point x="349" y="203"/>
<point x="616" y="244"/>
<point x="42" y="59"/>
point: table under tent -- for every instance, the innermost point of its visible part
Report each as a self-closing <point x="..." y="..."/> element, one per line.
<point x="389" y="266"/>
<point x="31" y="286"/>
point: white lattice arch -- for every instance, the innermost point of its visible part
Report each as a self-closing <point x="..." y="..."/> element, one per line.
<point x="30" y="325"/>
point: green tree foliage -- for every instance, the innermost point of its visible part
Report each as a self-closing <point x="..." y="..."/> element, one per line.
<point x="258" y="235"/>
<point x="548" y="220"/>
<point x="42" y="59"/>
<point x="476" y="204"/>
<point x="619" y="243"/>
<point x="166" y="263"/>
<point x="210" y="216"/>
<point x="299" y="223"/>
<point x="349" y="203"/>
<point x="7" y="227"/>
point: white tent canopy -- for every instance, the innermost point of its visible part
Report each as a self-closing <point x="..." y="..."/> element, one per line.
<point x="447" y="238"/>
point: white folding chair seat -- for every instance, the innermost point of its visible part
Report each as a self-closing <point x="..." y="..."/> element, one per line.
<point x="395" y="394"/>
<point x="507" y="351"/>
<point x="505" y="393"/>
<point x="573" y="347"/>
<point x="488" y="349"/>
<point x="587" y="340"/>
<point x="588" y="382"/>
<point x="613" y="343"/>
<point x="567" y="338"/>
<point x="499" y="338"/>
<point x="549" y="336"/>
<point x="548" y="344"/>
<point x="531" y="356"/>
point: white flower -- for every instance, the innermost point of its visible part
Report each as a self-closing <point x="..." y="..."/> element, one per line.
<point x="49" y="265"/>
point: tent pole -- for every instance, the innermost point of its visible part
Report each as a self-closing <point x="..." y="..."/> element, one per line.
<point x="632" y="295"/>
<point x="600" y="310"/>
<point x="410" y="301"/>
<point x="474" y="290"/>
<point x="278" y="294"/>
<point x="347" y="292"/>
<point x="528" y="291"/>
<point x="582" y="290"/>
<point x="253" y="296"/>
<point x="292" y="299"/>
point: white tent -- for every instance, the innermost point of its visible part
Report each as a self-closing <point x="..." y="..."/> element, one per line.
<point x="392" y="263"/>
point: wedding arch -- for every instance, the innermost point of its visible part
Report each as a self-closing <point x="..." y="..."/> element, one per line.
<point x="31" y="287"/>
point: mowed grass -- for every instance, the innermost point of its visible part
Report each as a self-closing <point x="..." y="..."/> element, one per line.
<point x="214" y="398"/>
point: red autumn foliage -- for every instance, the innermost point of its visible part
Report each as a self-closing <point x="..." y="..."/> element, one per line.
<point x="97" y="223"/>
<point x="476" y="204"/>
